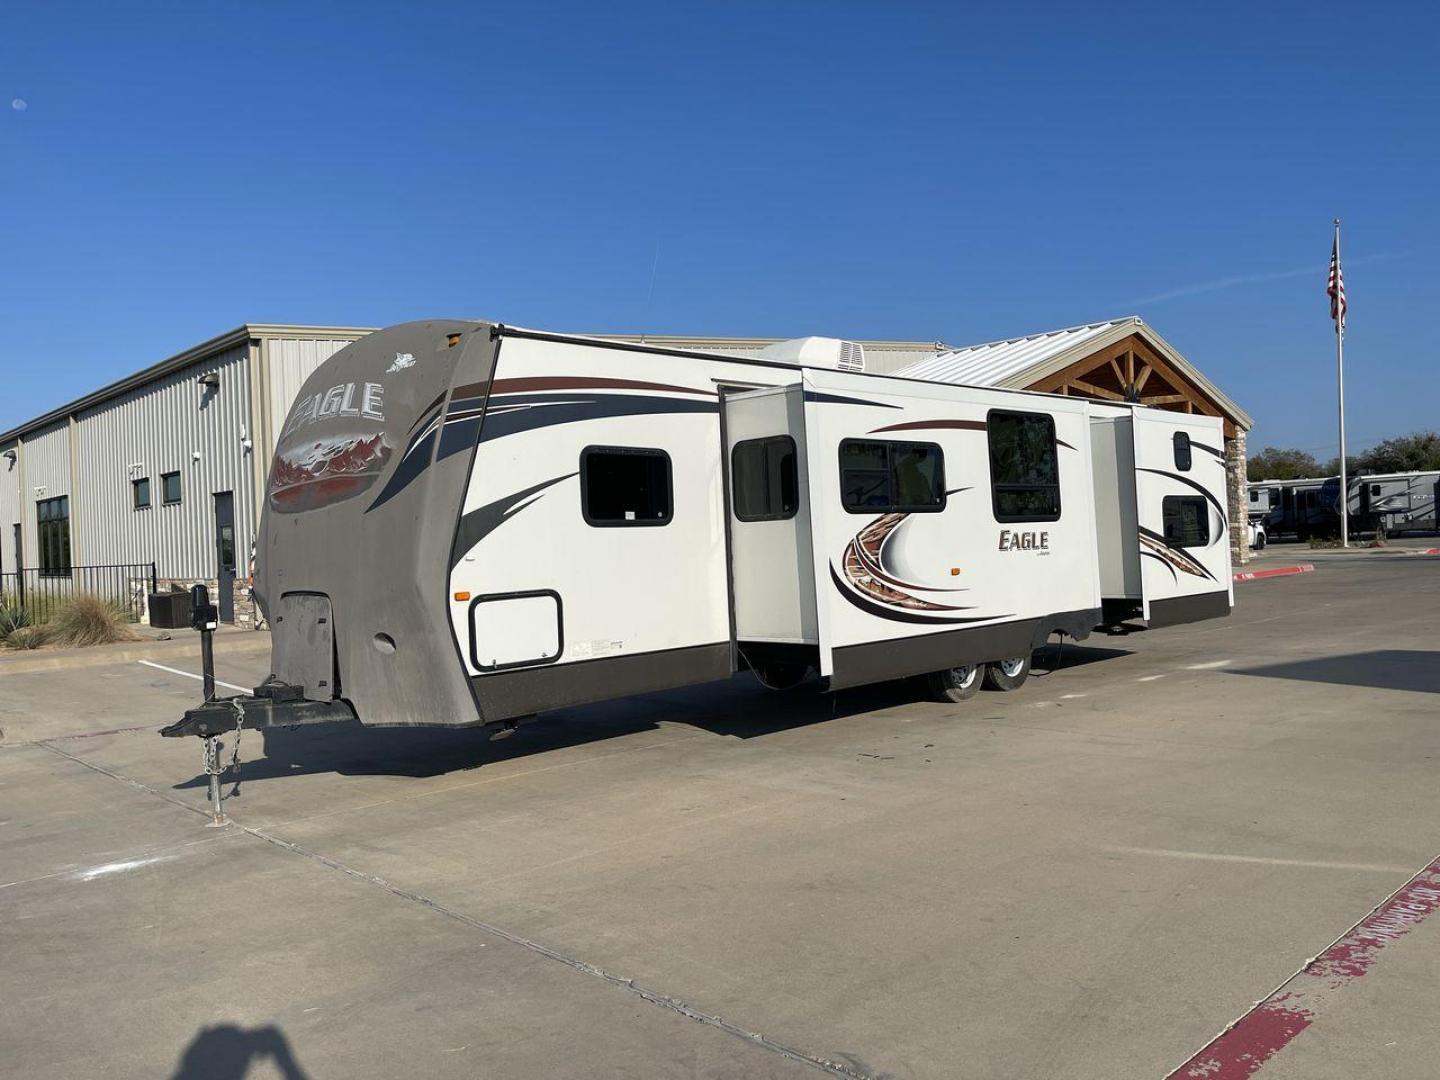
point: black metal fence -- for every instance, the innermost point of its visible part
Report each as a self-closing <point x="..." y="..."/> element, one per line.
<point x="43" y="592"/>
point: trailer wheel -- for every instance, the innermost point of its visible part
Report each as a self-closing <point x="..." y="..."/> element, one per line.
<point x="954" y="684"/>
<point x="1008" y="674"/>
<point x="780" y="675"/>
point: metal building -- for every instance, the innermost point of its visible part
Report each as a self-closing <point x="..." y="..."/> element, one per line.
<point x="166" y="466"/>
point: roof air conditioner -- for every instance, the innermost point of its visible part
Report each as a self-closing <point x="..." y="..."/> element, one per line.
<point x="818" y="352"/>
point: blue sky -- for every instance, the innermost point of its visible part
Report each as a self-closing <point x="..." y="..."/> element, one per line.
<point x="965" y="173"/>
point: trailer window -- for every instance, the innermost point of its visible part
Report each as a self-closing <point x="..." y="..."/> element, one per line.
<point x="766" y="486"/>
<point x="623" y="485"/>
<point x="1187" y="521"/>
<point x="885" y="477"/>
<point x="1182" y="451"/>
<point x="1024" y="466"/>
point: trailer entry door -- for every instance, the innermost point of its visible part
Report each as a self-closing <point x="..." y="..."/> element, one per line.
<point x="769" y="519"/>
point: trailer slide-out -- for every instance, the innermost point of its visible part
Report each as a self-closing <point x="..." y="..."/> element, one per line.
<point x="468" y="523"/>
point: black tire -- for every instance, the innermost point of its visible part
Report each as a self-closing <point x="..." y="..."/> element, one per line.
<point x="955" y="684"/>
<point x="1261" y="541"/>
<point x="997" y="678"/>
<point x="781" y="676"/>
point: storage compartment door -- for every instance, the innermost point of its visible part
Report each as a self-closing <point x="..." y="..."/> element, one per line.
<point x="516" y="629"/>
<point x="302" y="643"/>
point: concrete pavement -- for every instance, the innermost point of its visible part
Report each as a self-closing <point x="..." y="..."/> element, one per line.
<point x="1090" y="877"/>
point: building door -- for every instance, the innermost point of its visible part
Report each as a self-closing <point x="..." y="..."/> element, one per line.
<point x="225" y="554"/>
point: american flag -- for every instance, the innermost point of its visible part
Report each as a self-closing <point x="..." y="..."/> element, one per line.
<point x="1336" y="288"/>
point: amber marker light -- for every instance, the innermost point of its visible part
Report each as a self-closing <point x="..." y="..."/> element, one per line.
<point x="462" y="596"/>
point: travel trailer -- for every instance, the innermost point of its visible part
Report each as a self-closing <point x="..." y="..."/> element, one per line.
<point x="468" y="523"/>
<point x="1394" y="502"/>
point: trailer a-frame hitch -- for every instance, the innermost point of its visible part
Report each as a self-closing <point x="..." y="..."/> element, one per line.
<point x="273" y="704"/>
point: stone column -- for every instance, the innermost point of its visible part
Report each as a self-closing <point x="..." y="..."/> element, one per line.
<point x="1237" y="490"/>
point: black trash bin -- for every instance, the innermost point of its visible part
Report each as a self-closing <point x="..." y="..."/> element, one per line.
<point x="170" y="610"/>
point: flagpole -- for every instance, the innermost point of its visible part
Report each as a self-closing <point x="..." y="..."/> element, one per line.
<point x="1343" y="502"/>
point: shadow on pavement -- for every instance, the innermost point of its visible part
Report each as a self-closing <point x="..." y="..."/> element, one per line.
<point x="1385" y="669"/>
<point x="737" y="708"/>
<point x="226" y="1052"/>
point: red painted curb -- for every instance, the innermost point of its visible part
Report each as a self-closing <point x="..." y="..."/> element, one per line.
<point x="1278" y="571"/>
<point x="1240" y="1050"/>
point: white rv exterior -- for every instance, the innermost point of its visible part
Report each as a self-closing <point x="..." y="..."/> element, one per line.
<point x="469" y="523"/>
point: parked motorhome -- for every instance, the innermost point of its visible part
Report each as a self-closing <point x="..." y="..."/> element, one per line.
<point x="1293" y="507"/>
<point x="468" y="523"/>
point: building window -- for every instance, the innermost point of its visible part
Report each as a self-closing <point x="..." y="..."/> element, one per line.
<point x="1187" y="521"/>
<point x="1024" y="466"/>
<point x="886" y="477"/>
<point x="766" y="484"/>
<point x="141" y="489"/>
<point x="170" y="488"/>
<point x="52" y="528"/>
<point x="1182" y="451"/>
<point x="622" y="485"/>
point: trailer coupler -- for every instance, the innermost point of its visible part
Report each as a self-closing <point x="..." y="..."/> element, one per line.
<point x="261" y="710"/>
<point x="273" y="704"/>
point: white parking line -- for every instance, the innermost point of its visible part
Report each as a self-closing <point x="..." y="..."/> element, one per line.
<point x="1152" y="678"/>
<point x="1212" y="856"/>
<point x="177" y="671"/>
<point x="1211" y="664"/>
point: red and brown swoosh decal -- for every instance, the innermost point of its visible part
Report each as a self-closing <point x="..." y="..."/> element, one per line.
<point x="926" y="425"/>
<point x="534" y="383"/>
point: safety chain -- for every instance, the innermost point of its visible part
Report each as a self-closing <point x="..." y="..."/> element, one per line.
<point x="239" y="727"/>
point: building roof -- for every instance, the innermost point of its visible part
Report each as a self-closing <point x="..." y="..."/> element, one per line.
<point x="206" y="349"/>
<point x="1019" y="363"/>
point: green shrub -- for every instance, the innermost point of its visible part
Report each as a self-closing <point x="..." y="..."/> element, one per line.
<point x="12" y="618"/>
<point x="89" y="620"/>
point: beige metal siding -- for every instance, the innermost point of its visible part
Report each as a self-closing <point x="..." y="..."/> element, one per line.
<point x="9" y="506"/>
<point x="46" y="475"/>
<point x="159" y="428"/>
<point x="291" y="360"/>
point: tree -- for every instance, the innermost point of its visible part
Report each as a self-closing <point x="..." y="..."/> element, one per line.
<point x="1419" y="452"/>
<point x="1273" y="463"/>
<point x="1353" y="465"/>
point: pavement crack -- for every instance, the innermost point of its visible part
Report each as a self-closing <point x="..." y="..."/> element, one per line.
<point x="119" y="778"/>
<point x="653" y="997"/>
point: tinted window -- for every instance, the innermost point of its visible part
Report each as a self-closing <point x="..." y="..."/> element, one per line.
<point x="52" y="527"/>
<point x="882" y="477"/>
<point x="142" y="492"/>
<point x="766" y="485"/>
<point x="1024" y="467"/>
<point x="170" y="487"/>
<point x="1182" y="451"/>
<point x="624" y="486"/>
<point x="1187" y="521"/>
